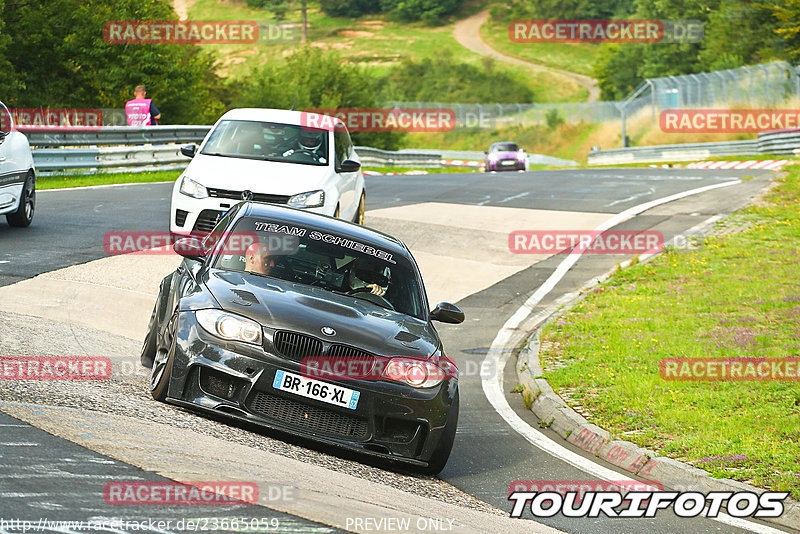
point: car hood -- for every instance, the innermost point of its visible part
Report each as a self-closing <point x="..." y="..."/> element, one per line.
<point x="288" y="306"/>
<point x="258" y="176"/>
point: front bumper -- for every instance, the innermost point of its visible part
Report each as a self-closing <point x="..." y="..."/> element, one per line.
<point x="391" y="421"/>
<point x="200" y="215"/>
<point x="501" y="165"/>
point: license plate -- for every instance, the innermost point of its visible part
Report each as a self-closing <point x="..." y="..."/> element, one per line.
<point x="315" y="389"/>
<point x="508" y="162"/>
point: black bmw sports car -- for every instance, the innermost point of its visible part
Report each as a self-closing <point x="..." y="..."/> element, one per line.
<point x="310" y="325"/>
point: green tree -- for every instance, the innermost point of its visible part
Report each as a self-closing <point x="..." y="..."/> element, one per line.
<point x="65" y="62"/>
<point x="787" y="12"/>
<point x="280" y="8"/>
<point x="349" y="8"/>
<point x="443" y="80"/>
<point x="428" y="11"/>
<point x="313" y="79"/>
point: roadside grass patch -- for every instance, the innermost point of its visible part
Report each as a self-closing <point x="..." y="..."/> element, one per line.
<point x="735" y="295"/>
<point x="81" y="180"/>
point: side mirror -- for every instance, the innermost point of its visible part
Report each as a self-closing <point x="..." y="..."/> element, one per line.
<point x="349" y="165"/>
<point x="447" y="313"/>
<point x="188" y="150"/>
<point x="190" y="247"/>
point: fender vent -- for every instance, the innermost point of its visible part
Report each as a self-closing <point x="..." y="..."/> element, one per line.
<point x="246" y="296"/>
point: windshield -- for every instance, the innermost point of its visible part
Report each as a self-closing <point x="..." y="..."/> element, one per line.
<point x="505" y="147"/>
<point x="333" y="262"/>
<point x="271" y="141"/>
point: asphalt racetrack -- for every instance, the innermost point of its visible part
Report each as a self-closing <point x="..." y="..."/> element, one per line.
<point x="456" y="225"/>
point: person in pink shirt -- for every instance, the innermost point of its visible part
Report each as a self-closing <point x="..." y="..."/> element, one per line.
<point x="141" y="111"/>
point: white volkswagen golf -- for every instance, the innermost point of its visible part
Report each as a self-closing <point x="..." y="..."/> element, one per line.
<point x="17" y="175"/>
<point x="273" y="156"/>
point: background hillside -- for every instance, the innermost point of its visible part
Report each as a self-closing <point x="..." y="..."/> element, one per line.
<point x="383" y="51"/>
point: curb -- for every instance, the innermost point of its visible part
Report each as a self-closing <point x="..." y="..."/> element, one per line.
<point x="555" y="413"/>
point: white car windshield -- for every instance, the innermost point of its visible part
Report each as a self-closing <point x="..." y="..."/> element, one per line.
<point x="269" y="141"/>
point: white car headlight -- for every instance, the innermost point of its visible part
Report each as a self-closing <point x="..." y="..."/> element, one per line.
<point x="312" y="199"/>
<point x="192" y="189"/>
<point x="229" y="326"/>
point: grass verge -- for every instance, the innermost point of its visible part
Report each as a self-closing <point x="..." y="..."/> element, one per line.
<point x="735" y="295"/>
<point x="83" y="180"/>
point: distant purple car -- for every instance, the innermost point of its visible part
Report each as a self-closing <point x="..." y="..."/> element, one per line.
<point x="506" y="157"/>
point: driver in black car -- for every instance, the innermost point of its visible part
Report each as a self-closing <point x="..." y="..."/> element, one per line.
<point x="367" y="275"/>
<point x="258" y="259"/>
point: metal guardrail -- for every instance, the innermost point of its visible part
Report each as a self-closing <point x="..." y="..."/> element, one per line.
<point x="50" y="160"/>
<point x="402" y="158"/>
<point x="770" y="142"/>
<point x="678" y="152"/>
<point x="779" y="142"/>
<point x="123" y="148"/>
<point x="115" y="135"/>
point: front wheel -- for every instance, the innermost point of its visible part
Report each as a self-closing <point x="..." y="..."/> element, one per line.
<point x="442" y="453"/>
<point x="162" y="363"/>
<point x="27" y="204"/>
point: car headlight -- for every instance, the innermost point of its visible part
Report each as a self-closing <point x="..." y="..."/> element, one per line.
<point x="419" y="373"/>
<point x="229" y="326"/>
<point x="312" y="199"/>
<point x="492" y="157"/>
<point x="192" y="189"/>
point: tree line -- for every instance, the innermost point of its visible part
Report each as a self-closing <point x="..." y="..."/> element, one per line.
<point x="736" y="33"/>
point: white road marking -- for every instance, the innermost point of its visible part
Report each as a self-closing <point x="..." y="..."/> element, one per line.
<point x="513" y="197"/>
<point x="493" y="382"/>
<point x="632" y="197"/>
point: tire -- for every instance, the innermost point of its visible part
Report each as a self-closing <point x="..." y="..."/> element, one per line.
<point x="442" y="453"/>
<point x="359" y="216"/>
<point x="148" y="355"/>
<point x="27" y="204"/>
<point x="162" y="363"/>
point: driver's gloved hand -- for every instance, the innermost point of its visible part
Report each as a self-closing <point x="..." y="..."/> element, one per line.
<point x="375" y="289"/>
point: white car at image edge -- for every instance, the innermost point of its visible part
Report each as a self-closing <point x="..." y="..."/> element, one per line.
<point x="17" y="174"/>
<point x="273" y="156"/>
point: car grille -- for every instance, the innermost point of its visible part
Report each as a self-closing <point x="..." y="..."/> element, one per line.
<point x="310" y="418"/>
<point x="207" y="220"/>
<point x="296" y="346"/>
<point x="258" y="197"/>
<point x="180" y="217"/>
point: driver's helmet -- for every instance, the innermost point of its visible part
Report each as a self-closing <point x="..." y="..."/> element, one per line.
<point x="366" y="271"/>
<point x="275" y="131"/>
<point x="310" y="140"/>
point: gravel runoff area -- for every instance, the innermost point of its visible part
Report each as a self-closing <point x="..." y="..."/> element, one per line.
<point x="126" y="394"/>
